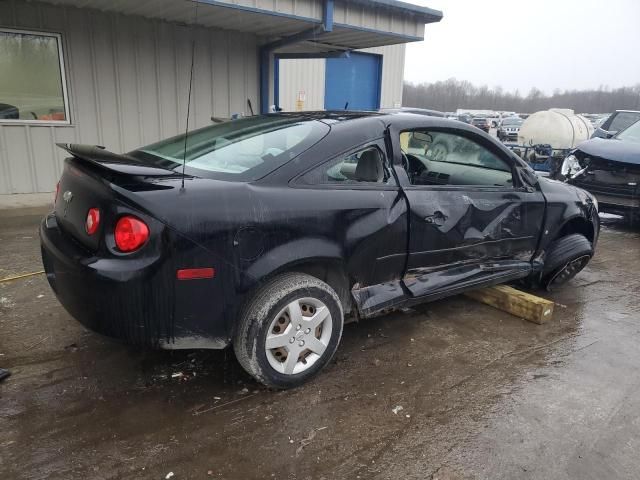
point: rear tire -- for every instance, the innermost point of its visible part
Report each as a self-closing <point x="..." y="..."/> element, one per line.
<point x="566" y="257"/>
<point x="289" y="330"/>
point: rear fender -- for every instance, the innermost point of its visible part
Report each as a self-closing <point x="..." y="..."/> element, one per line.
<point x="284" y="257"/>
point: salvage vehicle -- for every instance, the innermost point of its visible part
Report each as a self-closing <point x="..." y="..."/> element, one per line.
<point x="266" y="232"/>
<point x="482" y="123"/>
<point x="609" y="169"/>
<point x="509" y="129"/>
<point x="616" y="122"/>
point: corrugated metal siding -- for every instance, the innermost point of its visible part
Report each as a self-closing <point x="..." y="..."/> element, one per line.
<point x="127" y="80"/>
<point x="299" y="8"/>
<point x="309" y="75"/>
<point x="393" y="57"/>
<point x="269" y="17"/>
<point x="302" y="75"/>
<point x="356" y="15"/>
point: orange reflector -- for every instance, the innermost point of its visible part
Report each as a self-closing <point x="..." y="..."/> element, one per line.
<point x="195" y="273"/>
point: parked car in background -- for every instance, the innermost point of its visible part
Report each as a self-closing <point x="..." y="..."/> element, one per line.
<point x="465" y="117"/>
<point x="283" y="224"/>
<point x="482" y="123"/>
<point x="616" y="122"/>
<point x="504" y="115"/>
<point x="9" y="112"/>
<point x="609" y="169"/>
<point x="509" y="129"/>
<point x="598" y="121"/>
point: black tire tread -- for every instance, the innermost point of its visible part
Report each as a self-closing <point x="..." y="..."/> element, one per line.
<point x="566" y="249"/>
<point x="257" y="308"/>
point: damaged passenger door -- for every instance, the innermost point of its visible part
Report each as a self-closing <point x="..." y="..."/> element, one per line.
<point x="367" y="213"/>
<point x="472" y="220"/>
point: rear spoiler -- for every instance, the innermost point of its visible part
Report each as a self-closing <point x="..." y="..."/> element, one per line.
<point x="115" y="162"/>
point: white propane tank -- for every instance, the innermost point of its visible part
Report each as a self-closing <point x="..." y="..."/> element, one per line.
<point x="559" y="127"/>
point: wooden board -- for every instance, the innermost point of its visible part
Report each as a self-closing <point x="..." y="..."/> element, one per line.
<point x="515" y="302"/>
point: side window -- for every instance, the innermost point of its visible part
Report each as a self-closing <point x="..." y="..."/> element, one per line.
<point x="362" y="166"/>
<point x="439" y="158"/>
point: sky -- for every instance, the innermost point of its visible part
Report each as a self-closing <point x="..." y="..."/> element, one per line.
<point x="520" y="44"/>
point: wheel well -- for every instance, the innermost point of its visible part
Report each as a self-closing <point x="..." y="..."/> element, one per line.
<point x="332" y="272"/>
<point x="577" y="225"/>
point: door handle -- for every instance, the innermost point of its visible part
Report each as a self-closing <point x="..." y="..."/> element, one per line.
<point x="438" y="218"/>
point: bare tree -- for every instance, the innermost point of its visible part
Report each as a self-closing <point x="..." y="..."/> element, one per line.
<point x="452" y="94"/>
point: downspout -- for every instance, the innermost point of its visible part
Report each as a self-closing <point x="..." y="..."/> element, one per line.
<point x="268" y="49"/>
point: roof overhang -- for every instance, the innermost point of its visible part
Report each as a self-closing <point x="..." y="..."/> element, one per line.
<point x="357" y="24"/>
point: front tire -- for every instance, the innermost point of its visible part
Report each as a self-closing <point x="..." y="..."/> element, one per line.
<point x="566" y="257"/>
<point x="289" y="330"/>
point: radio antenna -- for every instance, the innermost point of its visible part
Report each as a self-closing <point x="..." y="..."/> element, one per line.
<point x="193" y="51"/>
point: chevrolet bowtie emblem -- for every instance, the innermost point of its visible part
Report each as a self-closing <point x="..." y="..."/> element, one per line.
<point x="67" y="197"/>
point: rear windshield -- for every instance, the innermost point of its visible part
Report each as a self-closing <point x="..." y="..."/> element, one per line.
<point x="241" y="150"/>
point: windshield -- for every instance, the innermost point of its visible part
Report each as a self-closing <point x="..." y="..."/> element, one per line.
<point x="242" y="150"/>
<point x="512" y="121"/>
<point x="631" y="134"/>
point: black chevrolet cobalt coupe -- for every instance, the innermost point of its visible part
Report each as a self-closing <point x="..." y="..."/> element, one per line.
<point x="283" y="225"/>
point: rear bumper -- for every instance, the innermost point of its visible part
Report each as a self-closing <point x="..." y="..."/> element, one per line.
<point x="131" y="299"/>
<point x="113" y="297"/>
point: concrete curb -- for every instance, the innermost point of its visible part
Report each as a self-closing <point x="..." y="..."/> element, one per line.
<point x="18" y="212"/>
<point x="25" y="205"/>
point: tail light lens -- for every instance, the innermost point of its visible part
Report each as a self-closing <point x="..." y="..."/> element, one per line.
<point x="92" y="222"/>
<point x="55" y="199"/>
<point x="130" y="233"/>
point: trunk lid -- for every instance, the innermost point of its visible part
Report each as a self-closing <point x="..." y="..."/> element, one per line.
<point x="87" y="182"/>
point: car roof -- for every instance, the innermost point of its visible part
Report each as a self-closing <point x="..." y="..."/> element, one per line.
<point x="328" y="115"/>
<point x="421" y="111"/>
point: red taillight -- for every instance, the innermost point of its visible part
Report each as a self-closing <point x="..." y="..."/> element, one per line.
<point x="55" y="199"/>
<point x="195" y="273"/>
<point x="92" y="222"/>
<point x="130" y="234"/>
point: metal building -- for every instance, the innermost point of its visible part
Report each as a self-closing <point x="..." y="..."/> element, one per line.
<point x="332" y="84"/>
<point x="117" y="73"/>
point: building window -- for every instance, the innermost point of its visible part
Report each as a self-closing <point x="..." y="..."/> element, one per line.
<point x="32" y="83"/>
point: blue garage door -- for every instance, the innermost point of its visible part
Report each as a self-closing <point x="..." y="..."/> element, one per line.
<point x="354" y="80"/>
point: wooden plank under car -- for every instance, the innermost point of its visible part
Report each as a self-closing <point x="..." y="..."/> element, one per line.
<point x="518" y="303"/>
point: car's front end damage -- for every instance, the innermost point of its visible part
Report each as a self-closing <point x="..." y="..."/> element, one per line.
<point x="571" y="212"/>
<point x="610" y="170"/>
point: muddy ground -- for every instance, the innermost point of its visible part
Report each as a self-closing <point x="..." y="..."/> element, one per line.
<point x="483" y="394"/>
